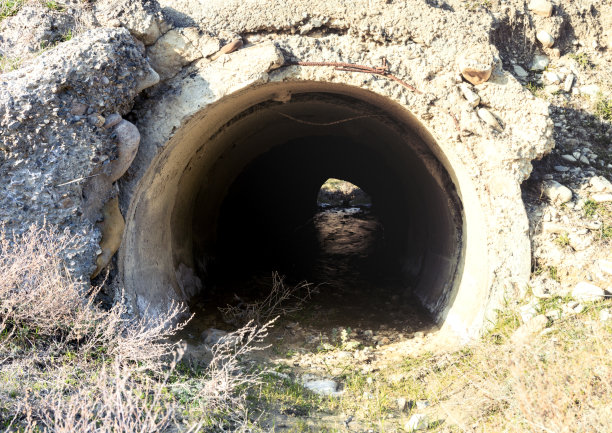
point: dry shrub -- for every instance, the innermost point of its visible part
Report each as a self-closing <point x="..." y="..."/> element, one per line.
<point x="35" y="288"/>
<point x="84" y="369"/>
<point x="281" y="300"/>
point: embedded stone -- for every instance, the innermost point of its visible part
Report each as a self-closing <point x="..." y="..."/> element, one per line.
<point x="545" y="38"/>
<point x="476" y="64"/>
<point x="541" y="7"/>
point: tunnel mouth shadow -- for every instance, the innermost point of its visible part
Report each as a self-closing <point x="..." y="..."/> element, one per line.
<point x="234" y="199"/>
<point x="369" y="263"/>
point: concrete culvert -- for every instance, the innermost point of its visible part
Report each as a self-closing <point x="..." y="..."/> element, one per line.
<point x="233" y="197"/>
<point x="232" y="159"/>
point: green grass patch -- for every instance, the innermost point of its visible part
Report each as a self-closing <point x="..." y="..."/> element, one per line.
<point x="9" y="8"/>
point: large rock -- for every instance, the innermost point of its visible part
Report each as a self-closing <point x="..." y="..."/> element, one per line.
<point x="588" y="292"/>
<point x="556" y="192"/>
<point x="48" y="152"/>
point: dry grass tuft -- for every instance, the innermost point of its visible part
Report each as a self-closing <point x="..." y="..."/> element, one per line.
<point x="281" y="300"/>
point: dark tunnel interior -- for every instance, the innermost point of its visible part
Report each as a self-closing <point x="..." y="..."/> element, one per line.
<point x="255" y="212"/>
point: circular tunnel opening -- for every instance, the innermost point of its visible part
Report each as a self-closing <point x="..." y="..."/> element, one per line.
<point x="241" y="199"/>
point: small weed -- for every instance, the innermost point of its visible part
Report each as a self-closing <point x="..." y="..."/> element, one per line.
<point x="603" y="107"/>
<point x="53" y="5"/>
<point x="583" y="60"/>
<point x="534" y="88"/>
<point x="9" y="8"/>
<point x="562" y="240"/>
<point x="552" y="272"/>
<point x="590" y="208"/>
<point x="474" y="5"/>
<point x="66" y="37"/>
<point x="507" y="322"/>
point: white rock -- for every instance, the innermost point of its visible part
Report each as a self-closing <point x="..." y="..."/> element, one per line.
<point x="590" y="90"/>
<point x="528" y="311"/>
<point x="470" y="96"/>
<point x="541" y="7"/>
<point x="402" y="403"/>
<point x="600" y="184"/>
<point x="519" y="71"/>
<point x="584" y="291"/>
<point x="551" y="77"/>
<point x="489" y="119"/>
<point x="569" y="158"/>
<point x="556" y="192"/>
<point x="584" y="160"/>
<point x="601" y="197"/>
<point x="322" y="387"/>
<point x="416" y="422"/>
<point x="569" y="82"/>
<point x="604" y="315"/>
<point x="553" y="227"/>
<point x="605" y="266"/>
<point x="545" y="38"/>
<point x="540" y="62"/>
<point x="579" y="242"/>
<point x="422" y="404"/>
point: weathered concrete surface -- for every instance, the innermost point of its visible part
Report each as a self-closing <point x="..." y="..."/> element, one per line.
<point x="53" y="110"/>
<point x="50" y="136"/>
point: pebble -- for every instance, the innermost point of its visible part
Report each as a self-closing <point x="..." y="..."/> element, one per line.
<point x="402" y="403"/>
<point x="551" y="77"/>
<point x="528" y="311"/>
<point x="520" y="71"/>
<point x="545" y="38"/>
<point x="470" y="96"/>
<point x="584" y="291"/>
<point x="556" y="192"/>
<point x="561" y="168"/>
<point x="416" y="422"/>
<point x="569" y="158"/>
<point x="489" y="119"/>
<point x="112" y="120"/>
<point x="422" y="404"/>
<point x="604" y="315"/>
<point x="569" y="82"/>
<point x="541" y="7"/>
<point x="540" y="62"/>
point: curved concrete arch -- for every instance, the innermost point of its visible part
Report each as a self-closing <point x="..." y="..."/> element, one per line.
<point x="197" y="141"/>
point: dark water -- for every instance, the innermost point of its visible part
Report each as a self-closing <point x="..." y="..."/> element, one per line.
<point x="345" y="253"/>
